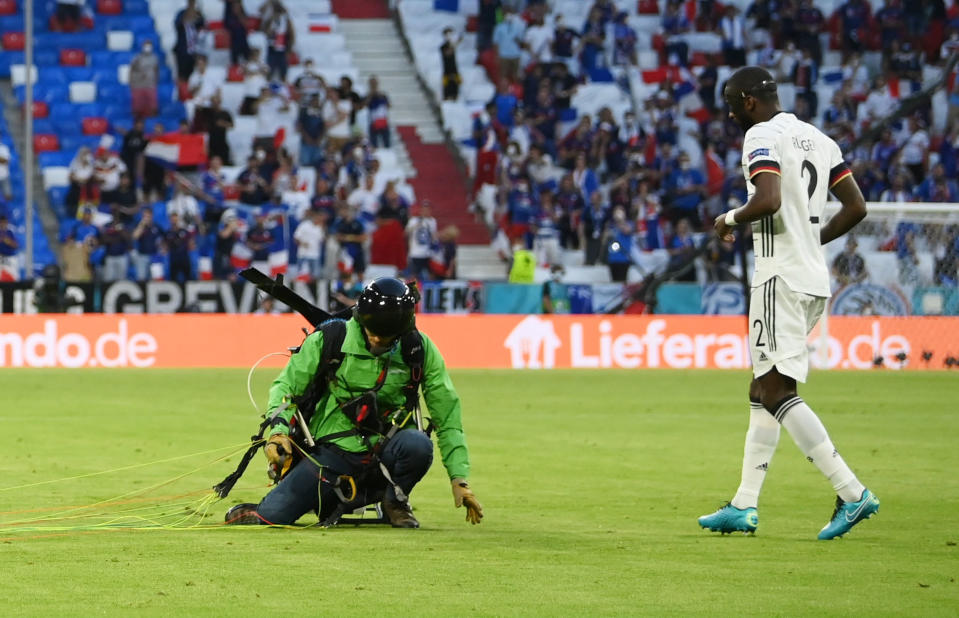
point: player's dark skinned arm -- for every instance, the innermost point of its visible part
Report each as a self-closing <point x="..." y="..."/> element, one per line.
<point x="765" y="201"/>
<point x="853" y="210"/>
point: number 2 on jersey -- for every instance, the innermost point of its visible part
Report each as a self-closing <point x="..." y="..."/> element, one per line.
<point x="813" y="176"/>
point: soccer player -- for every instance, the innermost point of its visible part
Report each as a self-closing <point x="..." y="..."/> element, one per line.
<point x="790" y="167"/>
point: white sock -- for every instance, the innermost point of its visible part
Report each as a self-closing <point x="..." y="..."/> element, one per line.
<point x="810" y="436"/>
<point x="761" y="440"/>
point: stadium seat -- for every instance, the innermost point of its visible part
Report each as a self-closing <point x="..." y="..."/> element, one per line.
<point x="600" y="74"/>
<point x="114" y="22"/>
<point x="13" y="41"/>
<point x="8" y="59"/>
<point x="52" y="158"/>
<point x="77" y="74"/>
<point x="45" y="142"/>
<point x="80" y="40"/>
<point x="122" y="124"/>
<point x="8" y="7"/>
<point x="46" y="57"/>
<point x="73" y="58"/>
<point x="221" y="39"/>
<point x="235" y="74"/>
<point x="139" y="38"/>
<point x="18" y="73"/>
<point x="172" y="109"/>
<point x="110" y="7"/>
<point x="54" y="75"/>
<point x="95" y="125"/>
<point x="119" y="40"/>
<point x="57" y="195"/>
<point x="100" y="58"/>
<point x="164" y="93"/>
<point x="648" y="7"/>
<point x="123" y="73"/>
<point x="56" y="177"/>
<point x="140" y="23"/>
<point x="65" y="125"/>
<point x="104" y="73"/>
<point x="43" y="91"/>
<point x="83" y="92"/>
<point x="72" y="143"/>
<point x="112" y="92"/>
<point x="136" y="7"/>
<point x="41" y="109"/>
<point x="12" y="23"/>
<point x="117" y="111"/>
<point x="43" y="125"/>
<point x="62" y="111"/>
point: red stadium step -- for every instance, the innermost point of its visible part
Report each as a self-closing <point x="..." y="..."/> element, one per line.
<point x="361" y="9"/>
<point x="440" y="180"/>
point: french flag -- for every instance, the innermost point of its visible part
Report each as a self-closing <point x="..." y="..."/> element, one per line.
<point x="205" y="268"/>
<point x="241" y="256"/>
<point x="9" y="270"/>
<point x="278" y="262"/>
<point x="321" y="22"/>
<point x="175" y="150"/>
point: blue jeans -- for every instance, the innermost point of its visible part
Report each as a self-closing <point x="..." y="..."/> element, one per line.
<point x="308" y="488"/>
<point x="311" y="155"/>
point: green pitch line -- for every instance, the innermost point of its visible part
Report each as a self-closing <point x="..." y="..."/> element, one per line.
<point x="591" y="481"/>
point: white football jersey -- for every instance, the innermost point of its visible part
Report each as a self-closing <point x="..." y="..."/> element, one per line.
<point x="786" y="244"/>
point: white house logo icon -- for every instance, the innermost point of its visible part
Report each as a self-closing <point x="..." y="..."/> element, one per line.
<point x="530" y="339"/>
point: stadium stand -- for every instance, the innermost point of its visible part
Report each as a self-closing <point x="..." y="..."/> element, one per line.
<point x="835" y="63"/>
<point x="642" y="96"/>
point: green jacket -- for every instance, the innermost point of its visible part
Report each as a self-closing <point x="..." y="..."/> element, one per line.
<point x="357" y="374"/>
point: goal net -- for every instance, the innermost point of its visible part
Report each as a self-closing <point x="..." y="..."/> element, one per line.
<point x="902" y="260"/>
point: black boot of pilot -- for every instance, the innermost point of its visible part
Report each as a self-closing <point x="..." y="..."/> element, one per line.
<point x="399" y="513"/>
<point x="243" y="515"/>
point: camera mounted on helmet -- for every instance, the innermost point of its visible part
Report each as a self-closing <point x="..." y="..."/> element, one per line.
<point x="387" y="307"/>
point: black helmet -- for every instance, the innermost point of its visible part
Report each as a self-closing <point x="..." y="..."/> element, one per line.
<point x="386" y="307"/>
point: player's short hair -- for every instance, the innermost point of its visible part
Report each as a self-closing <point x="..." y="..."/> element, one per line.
<point x="753" y="81"/>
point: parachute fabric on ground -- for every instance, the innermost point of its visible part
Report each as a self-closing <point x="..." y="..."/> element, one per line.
<point x="187" y="510"/>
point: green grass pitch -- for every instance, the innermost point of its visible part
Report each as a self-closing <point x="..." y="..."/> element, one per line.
<point x="591" y="481"/>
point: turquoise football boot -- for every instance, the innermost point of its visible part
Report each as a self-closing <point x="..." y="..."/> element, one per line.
<point x="730" y="519"/>
<point x="848" y="514"/>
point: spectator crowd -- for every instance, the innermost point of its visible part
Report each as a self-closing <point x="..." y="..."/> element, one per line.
<point x="634" y="188"/>
<point x="638" y="188"/>
<point x="322" y="201"/>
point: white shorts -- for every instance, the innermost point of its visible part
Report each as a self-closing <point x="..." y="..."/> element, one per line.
<point x="780" y="321"/>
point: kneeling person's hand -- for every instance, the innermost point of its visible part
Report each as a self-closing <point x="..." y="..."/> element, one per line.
<point x="279" y="452"/>
<point x="463" y="496"/>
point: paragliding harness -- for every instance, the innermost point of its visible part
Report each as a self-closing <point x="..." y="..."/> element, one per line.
<point x="362" y="410"/>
